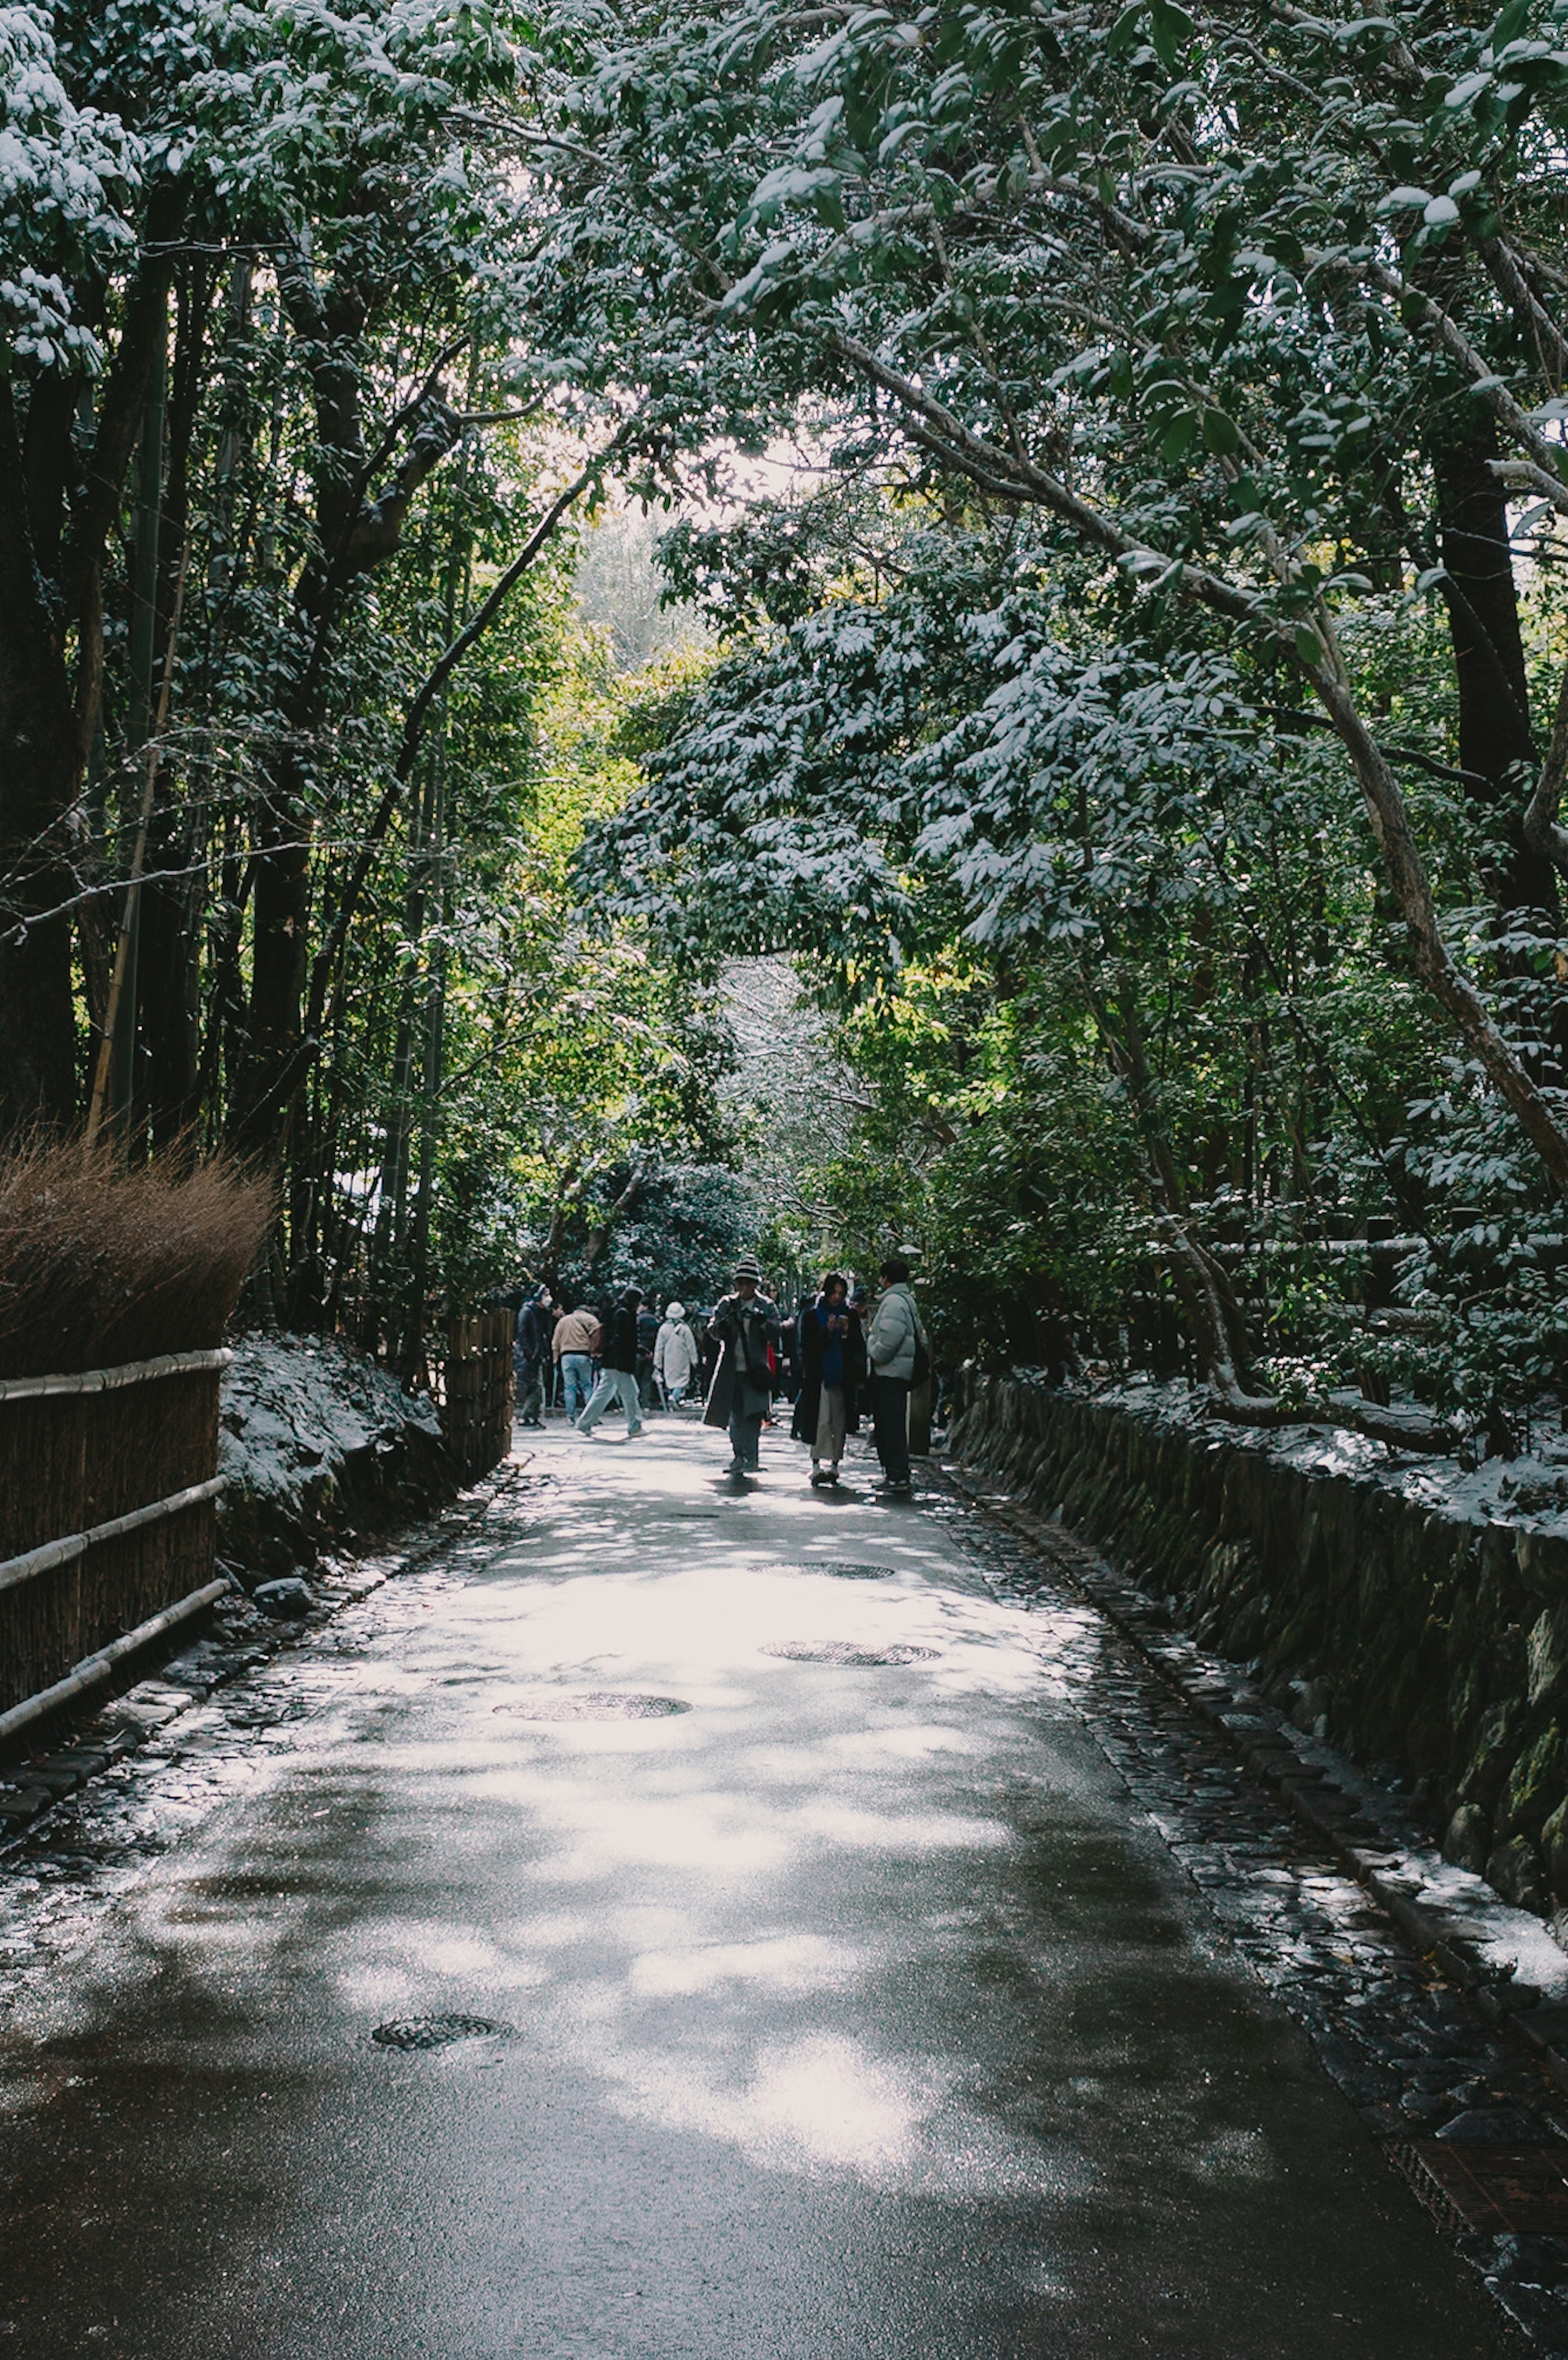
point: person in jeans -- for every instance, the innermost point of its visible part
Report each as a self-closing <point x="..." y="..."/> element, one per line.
<point x="617" y="1381"/>
<point x="894" y="1334"/>
<point x="745" y="1326"/>
<point x="833" y="1354"/>
<point x="578" y="1337"/>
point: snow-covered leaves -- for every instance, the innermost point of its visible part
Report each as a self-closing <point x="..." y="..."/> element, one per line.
<point x="297" y="89"/>
<point x="66" y="174"/>
<point x="1038" y="783"/>
<point x="264" y="116"/>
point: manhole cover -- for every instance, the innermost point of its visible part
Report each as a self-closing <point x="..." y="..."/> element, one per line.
<point x="596" y="1704"/>
<point x="437" y="2031"/>
<point x="843" y="1569"/>
<point x="843" y="1651"/>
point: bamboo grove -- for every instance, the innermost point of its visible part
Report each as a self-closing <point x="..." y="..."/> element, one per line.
<point x="299" y="728"/>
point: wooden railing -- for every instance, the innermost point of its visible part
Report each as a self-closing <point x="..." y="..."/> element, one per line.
<point x="108" y="1519"/>
<point x="476" y="1392"/>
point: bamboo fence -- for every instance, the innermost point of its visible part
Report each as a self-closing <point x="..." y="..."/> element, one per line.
<point x="108" y="1508"/>
<point x="477" y="1389"/>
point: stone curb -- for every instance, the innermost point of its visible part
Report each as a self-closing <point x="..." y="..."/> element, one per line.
<point x="33" y="1789"/>
<point x="1456" y="1921"/>
<point x="1506" y="1958"/>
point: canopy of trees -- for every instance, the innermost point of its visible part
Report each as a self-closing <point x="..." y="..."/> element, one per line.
<point x="1145" y="718"/>
<point x="1153" y="728"/>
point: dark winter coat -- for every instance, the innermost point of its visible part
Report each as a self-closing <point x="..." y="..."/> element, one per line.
<point x="621" y="1348"/>
<point x="814" y="1342"/>
<point x="536" y="1328"/>
<point x="742" y="1382"/>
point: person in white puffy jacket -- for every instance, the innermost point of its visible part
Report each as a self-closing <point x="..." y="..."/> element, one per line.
<point x="675" y="1354"/>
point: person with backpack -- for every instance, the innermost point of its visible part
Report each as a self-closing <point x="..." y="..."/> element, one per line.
<point x="900" y="1359"/>
<point x="745" y="1326"/>
<point x="832" y="1361"/>
<point x="617" y="1380"/>
<point x="676" y="1356"/>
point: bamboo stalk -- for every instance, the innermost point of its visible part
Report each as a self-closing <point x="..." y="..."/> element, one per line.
<point x="17" y="1569"/>
<point x="98" y="1666"/>
<point x="107" y="1380"/>
<point x="128" y="915"/>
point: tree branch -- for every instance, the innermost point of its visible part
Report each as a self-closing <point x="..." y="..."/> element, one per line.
<point x="1542" y="830"/>
<point x="981" y="461"/>
<point x="414" y="724"/>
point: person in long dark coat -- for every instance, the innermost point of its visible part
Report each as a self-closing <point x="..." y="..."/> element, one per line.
<point x="833" y="1358"/>
<point x="745" y="1326"/>
<point x="530" y="1356"/>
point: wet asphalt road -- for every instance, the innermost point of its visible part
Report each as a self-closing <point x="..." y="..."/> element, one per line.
<point x="854" y="2012"/>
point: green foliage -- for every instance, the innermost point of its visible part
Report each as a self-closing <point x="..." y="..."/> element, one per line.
<point x="565" y="1053"/>
<point x="1157" y="367"/>
<point x="681" y="1239"/>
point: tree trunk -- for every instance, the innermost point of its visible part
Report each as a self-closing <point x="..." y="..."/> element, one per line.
<point x="1494" y="739"/>
<point x="280" y="914"/>
<point x="600" y="1234"/>
<point x="38" y="742"/>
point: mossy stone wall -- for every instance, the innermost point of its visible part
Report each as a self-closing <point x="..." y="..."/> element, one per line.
<point x="1409" y="1637"/>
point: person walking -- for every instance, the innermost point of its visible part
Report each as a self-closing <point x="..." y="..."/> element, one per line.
<point x="532" y="1355"/>
<point x="675" y="1354"/>
<point x="895" y="1343"/>
<point x="745" y="1326"/>
<point x="833" y="1363"/>
<point x="578" y="1337"/>
<point x="646" y="1338"/>
<point x="617" y="1381"/>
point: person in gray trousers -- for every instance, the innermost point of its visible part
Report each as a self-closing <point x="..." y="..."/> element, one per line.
<point x="891" y="1343"/>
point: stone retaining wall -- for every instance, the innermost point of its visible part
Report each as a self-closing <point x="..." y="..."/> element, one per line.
<point x="1409" y="1634"/>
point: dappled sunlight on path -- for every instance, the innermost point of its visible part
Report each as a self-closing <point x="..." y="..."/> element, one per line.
<point x="800" y="1980"/>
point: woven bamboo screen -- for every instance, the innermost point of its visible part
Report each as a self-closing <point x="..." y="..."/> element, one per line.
<point x="73" y="1460"/>
<point x="477" y="1392"/>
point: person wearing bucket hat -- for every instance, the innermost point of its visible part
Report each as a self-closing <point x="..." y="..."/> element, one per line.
<point x="745" y="1328"/>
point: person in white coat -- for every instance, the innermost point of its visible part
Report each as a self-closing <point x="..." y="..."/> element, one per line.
<point x="894" y="1341"/>
<point x="675" y="1354"/>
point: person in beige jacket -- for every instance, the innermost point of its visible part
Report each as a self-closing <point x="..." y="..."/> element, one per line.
<point x="579" y="1339"/>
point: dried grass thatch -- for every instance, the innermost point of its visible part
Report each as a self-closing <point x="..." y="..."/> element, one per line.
<point x="101" y="1263"/>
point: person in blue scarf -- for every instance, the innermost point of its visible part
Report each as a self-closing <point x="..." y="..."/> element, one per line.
<point x="832" y="1361"/>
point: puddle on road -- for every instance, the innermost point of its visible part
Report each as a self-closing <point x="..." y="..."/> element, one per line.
<point x="845" y="1651"/>
<point x="437" y="2031"/>
<point x="596" y="1704"/>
